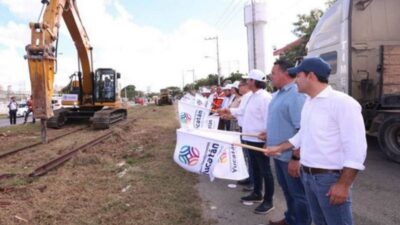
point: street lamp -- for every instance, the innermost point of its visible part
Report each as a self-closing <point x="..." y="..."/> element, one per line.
<point x="218" y="63"/>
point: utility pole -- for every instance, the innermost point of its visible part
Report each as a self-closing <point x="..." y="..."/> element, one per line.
<point x="218" y="62"/>
<point x="183" y="79"/>
<point x="253" y="11"/>
<point x="193" y="73"/>
<point x="126" y="96"/>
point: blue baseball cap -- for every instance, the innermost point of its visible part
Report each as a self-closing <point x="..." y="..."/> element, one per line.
<point x="313" y="64"/>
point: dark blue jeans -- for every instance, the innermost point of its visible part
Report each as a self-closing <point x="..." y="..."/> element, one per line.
<point x="13" y="116"/>
<point x="322" y="212"/>
<point x="246" y="153"/>
<point x="298" y="211"/>
<point x="261" y="172"/>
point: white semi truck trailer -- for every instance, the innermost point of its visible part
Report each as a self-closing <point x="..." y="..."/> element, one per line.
<point x="361" y="41"/>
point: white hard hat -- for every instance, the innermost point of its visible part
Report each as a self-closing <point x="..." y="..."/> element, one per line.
<point x="255" y="75"/>
<point x="227" y="87"/>
<point x="236" y="84"/>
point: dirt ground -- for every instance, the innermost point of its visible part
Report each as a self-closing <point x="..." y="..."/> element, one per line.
<point x="128" y="179"/>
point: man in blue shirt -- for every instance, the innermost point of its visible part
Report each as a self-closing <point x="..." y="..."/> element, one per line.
<point x="283" y="122"/>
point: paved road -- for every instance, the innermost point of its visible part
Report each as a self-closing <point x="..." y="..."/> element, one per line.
<point x="376" y="196"/>
<point x="20" y="120"/>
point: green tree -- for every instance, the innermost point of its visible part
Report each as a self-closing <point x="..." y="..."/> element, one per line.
<point x="303" y="29"/>
<point x="212" y="79"/>
<point x="130" y="91"/>
<point x="234" y="76"/>
<point x="189" y="87"/>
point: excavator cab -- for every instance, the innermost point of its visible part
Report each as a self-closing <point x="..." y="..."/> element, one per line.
<point x="105" y="85"/>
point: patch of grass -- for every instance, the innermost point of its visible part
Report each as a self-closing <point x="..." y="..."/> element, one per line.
<point x="21" y="128"/>
<point x="20" y="181"/>
<point x="131" y="161"/>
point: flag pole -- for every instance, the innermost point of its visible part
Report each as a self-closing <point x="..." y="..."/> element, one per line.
<point x="250" y="147"/>
<point x="249" y="135"/>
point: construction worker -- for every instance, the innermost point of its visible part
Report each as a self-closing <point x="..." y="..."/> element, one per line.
<point x="29" y="103"/>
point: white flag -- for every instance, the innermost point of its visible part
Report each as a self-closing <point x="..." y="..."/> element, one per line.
<point x="196" y="153"/>
<point x="231" y="164"/>
<point x="188" y="98"/>
<point x="207" y="152"/>
<point x="212" y="122"/>
<point x="191" y="116"/>
<point x="200" y="101"/>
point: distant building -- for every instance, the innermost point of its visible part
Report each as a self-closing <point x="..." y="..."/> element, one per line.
<point x="288" y="47"/>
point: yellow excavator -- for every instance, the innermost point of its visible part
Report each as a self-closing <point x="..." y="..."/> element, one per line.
<point x="96" y="93"/>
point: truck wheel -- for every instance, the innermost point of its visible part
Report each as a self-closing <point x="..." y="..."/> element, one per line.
<point x="389" y="138"/>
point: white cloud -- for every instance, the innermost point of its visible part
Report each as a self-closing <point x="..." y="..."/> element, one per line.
<point x="14" y="36"/>
<point x="22" y="8"/>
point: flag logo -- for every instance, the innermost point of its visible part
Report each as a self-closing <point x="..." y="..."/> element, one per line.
<point x="198" y="116"/>
<point x="189" y="155"/>
<point x="185" y="118"/>
<point x="223" y="158"/>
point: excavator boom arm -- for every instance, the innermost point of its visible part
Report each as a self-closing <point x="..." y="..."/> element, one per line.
<point x="41" y="54"/>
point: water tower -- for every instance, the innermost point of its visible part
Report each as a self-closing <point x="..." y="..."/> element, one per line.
<point x="258" y="40"/>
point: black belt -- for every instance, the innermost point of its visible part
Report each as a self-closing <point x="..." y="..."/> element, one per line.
<point x="312" y="171"/>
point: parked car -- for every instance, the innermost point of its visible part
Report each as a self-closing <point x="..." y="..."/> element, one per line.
<point x="22" y="110"/>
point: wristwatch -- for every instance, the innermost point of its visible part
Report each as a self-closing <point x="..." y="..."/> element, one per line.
<point x="295" y="158"/>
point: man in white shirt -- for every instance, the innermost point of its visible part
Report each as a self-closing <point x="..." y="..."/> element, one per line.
<point x="238" y="114"/>
<point x="13" y="108"/>
<point x="254" y="120"/>
<point x="246" y="93"/>
<point x="212" y="96"/>
<point x="332" y="144"/>
<point x="229" y="97"/>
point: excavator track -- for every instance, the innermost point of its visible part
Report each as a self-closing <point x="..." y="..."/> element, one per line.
<point x="58" y="120"/>
<point x="102" y="119"/>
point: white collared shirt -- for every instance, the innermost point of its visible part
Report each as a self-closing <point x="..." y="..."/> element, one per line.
<point x="210" y="100"/>
<point x="238" y="113"/>
<point x="13" y="105"/>
<point x="255" y="115"/>
<point x="332" y="133"/>
<point x="227" y="101"/>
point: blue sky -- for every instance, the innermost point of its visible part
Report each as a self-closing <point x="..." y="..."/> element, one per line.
<point x="162" y="39"/>
<point x="168" y="14"/>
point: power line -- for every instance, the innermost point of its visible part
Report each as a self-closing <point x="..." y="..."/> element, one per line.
<point x="234" y="10"/>
<point x="232" y="16"/>
<point x="225" y="11"/>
